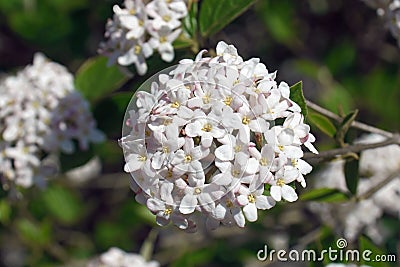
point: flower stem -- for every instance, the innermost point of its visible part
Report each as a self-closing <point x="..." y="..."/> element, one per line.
<point x="354" y="124"/>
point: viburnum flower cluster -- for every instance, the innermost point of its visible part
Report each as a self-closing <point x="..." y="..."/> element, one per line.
<point x="41" y="114"/>
<point x="139" y="28"/>
<point x="116" y="257"/>
<point x="389" y="10"/>
<point x="216" y="135"/>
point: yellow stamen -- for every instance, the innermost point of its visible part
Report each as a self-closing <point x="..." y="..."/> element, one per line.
<point x="251" y="198"/>
<point x="197" y="191"/>
<point x="188" y="158"/>
<point x="163" y="39"/>
<point x="206" y="99"/>
<point x="228" y="100"/>
<point x="141" y="23"/>
<point x="165" y="149"/>
<point x="137" y="49"/>
<point x="235" y="173"/>
<point x="263" y="162"/>
<point x="176" y="104"/>
<point x="142" y="158"/>
<point x="166" y="18"/>
<point x="238" y="148"/>
<point x="280" y="182"/>
<point x="167" y="211"/>
<point x="281" y="147"/>
<point x="294" y="162"/>
<point x="229" y="204"/>
<point x="245" y="120"/>
<point x="132" y="11"/>
<point x="207" y="127"/>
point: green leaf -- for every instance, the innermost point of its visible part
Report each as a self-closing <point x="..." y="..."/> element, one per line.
<point x="351" y="174"/>
<point x="323" y="123"/>
<point x="5" y="211"/>
<point x="190" y="21"/>
<point x="344" y="127"/>
<point x="296" y="95"/>
<point x="62" y="204"/>
<point x="95" y="80"/>
<point x="77" y="159"/>
<point x="215" y="15"/>
<point x="34" y="233"/>
<point x="375" y="254"/>
<point x="324" y="195"/>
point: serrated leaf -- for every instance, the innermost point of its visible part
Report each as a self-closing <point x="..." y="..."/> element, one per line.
<point x="215" y="15"/>
<point x="36" y="234"/>
<point x="324" y="195"/>
<point x="296" y="95"/>
<point x="344" y="127"/>
<point x="62" y="204"/>
<point x="95" y="80"/>
<point x="351" y="173"/>
<point x="323" y="123"/>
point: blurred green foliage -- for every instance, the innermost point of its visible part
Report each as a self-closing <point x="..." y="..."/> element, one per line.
<point x="322" y="42"/>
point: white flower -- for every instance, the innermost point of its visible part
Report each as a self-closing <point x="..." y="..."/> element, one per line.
<point x="116" y="257"/>
<point x="210" y="141"/>
<point x="136" y="30"/>
<point x="41" y="115"/>
<point x="251" y="201"/>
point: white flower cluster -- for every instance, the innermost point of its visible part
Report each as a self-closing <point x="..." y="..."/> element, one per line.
<point x="375" y="166"/>
<point x="40" y="115"/>
<point x="116" y="257"/>
<point x="138" y="29"/>
<point x="389" y="10"/>
<point x="217" y="135"/>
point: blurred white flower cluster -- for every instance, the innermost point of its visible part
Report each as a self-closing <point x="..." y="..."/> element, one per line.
<point x="116" y="257"/>
<point x="139" y="28"/>
<point x="375" y="166"/>
<point x="216" y="135"/>
<point x="41" y="114"/>
<point x="389" y="10"/>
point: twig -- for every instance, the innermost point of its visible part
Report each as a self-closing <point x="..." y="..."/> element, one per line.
<point x="355" y="124"/>
<point x="379" y="186"/>
<point x="330" y="154"/>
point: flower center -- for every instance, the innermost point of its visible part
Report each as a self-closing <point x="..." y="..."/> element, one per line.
<point x="138" y="49"/>
<point x="294" y="162"/>
<point x="281" y="147"/>
<point x="251" y="198"/>
<point x="165" y="149"/>
<point x="176" y="104"/>
<point x="166" y="18"/>
<point x="207" y="127"/>
<point x="206" y="99"/>
<point x="263" y="162"/>
<point x="167" y="211"/>
<point x="163" y="39"/>
<point x="228" y="100"/>
<point x="132" y="11"/>
<point x="142" y="158"/>
<point x="229" y="204"/>
<point x="188" y="158"/>
<point x="235" y="173"/>
<point x="280" y="182"/>
<point x="197" y="190"/>
<point x="141" y="23"/>
<point x="238" y="148"/>
<point x="245" y="120"/>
